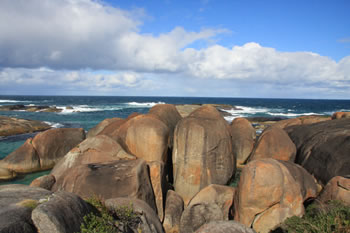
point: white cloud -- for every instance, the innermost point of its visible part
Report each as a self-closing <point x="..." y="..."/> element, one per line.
<point x="72" y="36"/>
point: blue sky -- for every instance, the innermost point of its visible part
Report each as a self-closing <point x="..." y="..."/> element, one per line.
<point x="271" y="48"/>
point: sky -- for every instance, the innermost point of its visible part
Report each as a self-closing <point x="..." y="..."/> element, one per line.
<point x="221" y="48"/>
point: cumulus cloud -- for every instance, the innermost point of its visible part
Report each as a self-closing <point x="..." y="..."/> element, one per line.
<point x="76" y="34"/>
<point x="73" y="80"/>
<point x="70" y="37"/>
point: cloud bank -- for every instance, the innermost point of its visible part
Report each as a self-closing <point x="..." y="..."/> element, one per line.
<point x="75" y="40"/>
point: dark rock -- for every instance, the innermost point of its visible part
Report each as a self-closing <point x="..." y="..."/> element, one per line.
<point x="323" y="148"/>
<point x="16" y="205"/>
<point x="15" y="219"/>
<point x="62" y="213"/>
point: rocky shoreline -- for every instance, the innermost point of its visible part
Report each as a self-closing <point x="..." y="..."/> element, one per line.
<point x="30" y="108"/>
<point x="175" y="165"/>
<point x="13" y="126"/>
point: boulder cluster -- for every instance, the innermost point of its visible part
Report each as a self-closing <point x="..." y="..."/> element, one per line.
<point x="178" y="172"/>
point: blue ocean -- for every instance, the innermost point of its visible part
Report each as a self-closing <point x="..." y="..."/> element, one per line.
<point x="87" y="111"/>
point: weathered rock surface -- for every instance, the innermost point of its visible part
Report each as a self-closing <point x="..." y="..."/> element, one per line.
<point x="62" y="213"/>
<point x="187" y="109"/>
<point x="96" y="149"/>
<point x="323" y="148"/>
<point x="145" y="137"/>
<point x="224" y="227"/>
<point x="15" y="210"/>
<point x="159" y="185"/>
<point x="270" y="191"/>
<point x="338" y="188"/>
<point x="195" y="216"/>
<point x="339" y="115"/>
<point x="53" y="144"/>
<point x="303" y="120"/>
<point x="220" y="195"/>
<point x="6" y="174"/>
<point x="123" y="178"/>
<point x="149" y="220"/>
<point x="169" y="115"/>
<point x="29" y="108"/>
<point x="274" y="143"/>
<point x="44" y="151"/>
<point x="101" y="126"/>
<point x="174" y="207"/>
<point x="12" y="126"/>
<point x="45" y="182"/>
<point x="202" y="152"/>
<point x="111" y="129"/>
<point x="243" y="138"/>
<point x="24" y="160"/>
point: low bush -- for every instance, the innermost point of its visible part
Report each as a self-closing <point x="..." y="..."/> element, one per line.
<point x="331" y="217"/>
<point x="122" y="219"/>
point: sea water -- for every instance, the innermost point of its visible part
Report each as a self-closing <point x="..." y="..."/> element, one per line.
<point x="87" y="111"/>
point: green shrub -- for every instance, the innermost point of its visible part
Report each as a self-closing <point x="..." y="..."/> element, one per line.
<point x="121" y="219"/>
<point x="331" y="217"/>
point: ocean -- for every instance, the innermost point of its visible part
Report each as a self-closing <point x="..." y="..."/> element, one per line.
<point x="88" y="111"/>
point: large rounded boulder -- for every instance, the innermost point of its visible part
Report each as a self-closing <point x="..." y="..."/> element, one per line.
<point x="53" y="144"/>
<point x="24" y="160"/>
<point x="323" y="148"/>
<point x="145" y="137"/>
<point x="274" y="143"/>
<point x="101" y="126"/>
<point x="44" y="151"/>
<point x="122" y="178"/>
<point x="202" y="153"/>
<point x="270" y="191"/>
<point x="95" y="149"/>
<point x="338" y="188"/>
<point x="243" y="138"/>
<point x="169" y="115"/>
